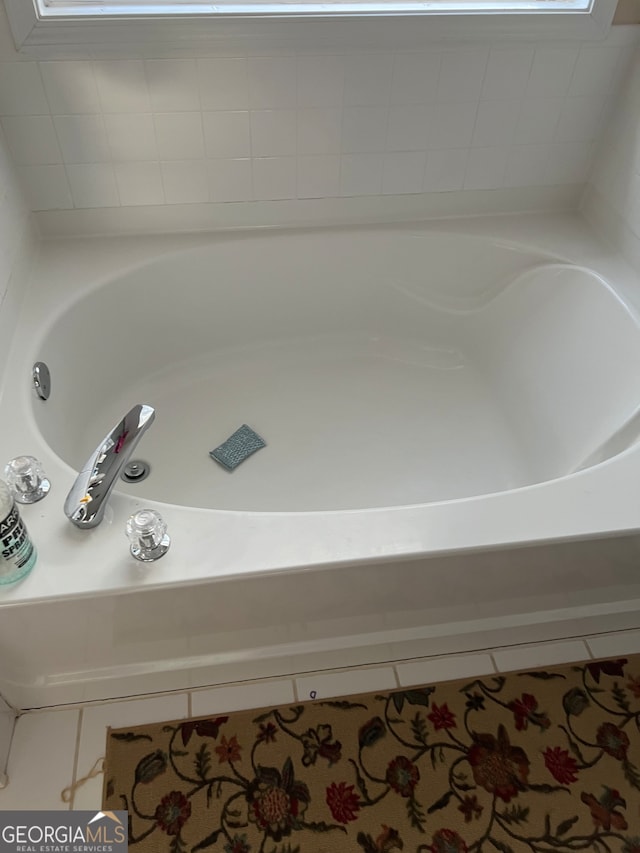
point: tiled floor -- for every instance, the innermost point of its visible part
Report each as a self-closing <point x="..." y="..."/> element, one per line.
<point x="52" y="749"/>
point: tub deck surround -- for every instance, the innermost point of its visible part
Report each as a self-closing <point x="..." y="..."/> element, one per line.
<point x="368" y="567"/>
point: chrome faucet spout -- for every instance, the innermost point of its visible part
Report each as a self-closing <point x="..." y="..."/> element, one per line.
<point x="87" y="500"/>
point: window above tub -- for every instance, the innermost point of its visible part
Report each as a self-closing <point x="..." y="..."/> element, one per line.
<point x="187" y="26"/>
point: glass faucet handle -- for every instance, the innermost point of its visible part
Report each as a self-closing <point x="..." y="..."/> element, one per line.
<point x="26" y="479"/>
<point x="147" y="533"/>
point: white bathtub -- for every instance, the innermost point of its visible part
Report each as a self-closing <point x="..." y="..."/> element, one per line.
<point x="437" y="399"/>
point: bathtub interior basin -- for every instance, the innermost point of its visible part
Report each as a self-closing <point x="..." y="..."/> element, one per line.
<point x="381" y="369"/>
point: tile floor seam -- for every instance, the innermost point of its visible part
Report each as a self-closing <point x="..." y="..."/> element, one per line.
<point x="74" y="773"/>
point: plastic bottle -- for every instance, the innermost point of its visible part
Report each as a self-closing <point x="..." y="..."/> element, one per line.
<point x="17" y="552"/>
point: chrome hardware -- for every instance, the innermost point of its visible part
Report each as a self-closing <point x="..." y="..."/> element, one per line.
<point x="135" y="471"/>
<point x="41" y="380"/>
<point x="26" y="479"/>
<point x="87" y="500"/>
<point x="147" y="532"/>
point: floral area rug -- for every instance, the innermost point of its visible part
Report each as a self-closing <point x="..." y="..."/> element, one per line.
<point x="544" y="762"/>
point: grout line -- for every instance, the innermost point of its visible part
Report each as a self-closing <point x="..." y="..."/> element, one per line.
<point x="396" y="676"/>
<point x="74" y="774"/>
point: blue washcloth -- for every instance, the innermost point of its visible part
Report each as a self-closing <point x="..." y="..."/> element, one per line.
<point x="237" y="447"/>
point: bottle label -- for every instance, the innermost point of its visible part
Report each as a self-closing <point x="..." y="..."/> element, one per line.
<point x="15" y="545"/>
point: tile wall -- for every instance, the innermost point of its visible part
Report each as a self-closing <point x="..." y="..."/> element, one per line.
<point x="612" y="198"/>
<point x="14" y="215"/>
<point x="17" y="246"/>
<point x="132" y="132"/>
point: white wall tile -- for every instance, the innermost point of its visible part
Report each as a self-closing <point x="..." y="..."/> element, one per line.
<point x="33" y="786"/>
<point x="367" y="79"/>
<point x="569" y="163"/>
<point x="139" y="183"/>
<point x="179" y="136"/>
<point x="538" y="120"/>
<point x="485" y="168"/>
<point x="32" y="140"/>
<point x="632" y="204"/>
<point x="93" y="185"/>
<point x="230" y="180"/>
<point x="71" y="87"/>
<point x="272" y="82"/>
<point x="551" y="71"/>
<point x="580" y="119"/>
<point x="173" y="85"/>
<point x="495" y="123"/>
<point x="443" y="99"/>
<point x="320" y="81"/>
<point x="185" y="182"/>
<point x="507" y="73"/>
<point x="364" y="129"/>
<point x="445" y="169"/>
<point x="462" y="75"/>
<point x="15" y="234"/>
<point x="318" y="176"/>
<point x="131" y="137"/>
<point x="324" y="685"/>
<point x="319" y="131"/>
<point x="409" y="127"/>
<point x="361" y="174"/>
<point x="595" y="70"/>
<point x="227" y="134"/>
<point x="403" y="172"/>
<point x="224" y="84"/>
<point x="47" y="187"/>
<point x="122" y="86"/>
<point x="526" y="166"/>
<point x="273" y="132"/>
<point x="21" y="89"/>
<point x="415" y="77"/>
<point x="616" y="205"/>
<point x="83" y="139"/>
<point x="274" y="177"/>
<point x="453" y="125"/>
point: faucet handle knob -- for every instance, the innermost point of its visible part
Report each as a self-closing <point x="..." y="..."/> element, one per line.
<point x="147" y="532"/>
<point x="26" y="479"/>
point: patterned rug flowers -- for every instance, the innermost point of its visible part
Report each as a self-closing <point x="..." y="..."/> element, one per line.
<point x="545" y="762"/>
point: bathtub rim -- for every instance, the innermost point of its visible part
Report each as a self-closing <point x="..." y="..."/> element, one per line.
<point x="333" y="538"/>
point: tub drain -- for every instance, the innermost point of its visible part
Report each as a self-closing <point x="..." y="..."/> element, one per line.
<point x="135" y="472"/>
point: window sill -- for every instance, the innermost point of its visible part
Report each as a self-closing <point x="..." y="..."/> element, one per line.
<point x="38" y="35"/>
